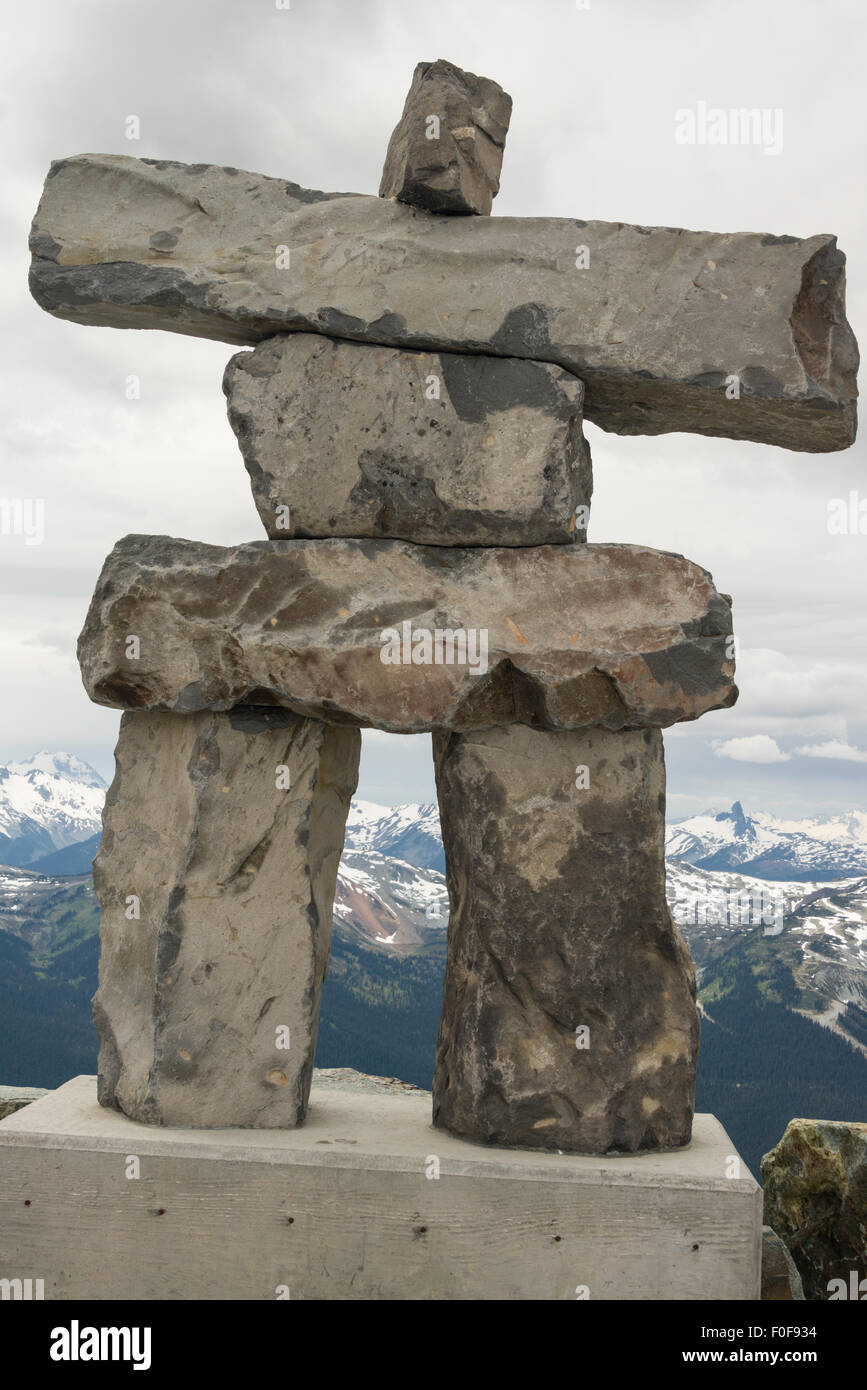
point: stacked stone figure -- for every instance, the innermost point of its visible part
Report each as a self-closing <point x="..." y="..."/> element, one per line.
<point x="411" y="419"/>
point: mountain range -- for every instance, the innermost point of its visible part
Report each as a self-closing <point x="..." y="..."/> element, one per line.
<point x="769" y="848"/>
<point x="51" y="804"/>
<point x="48" y="804"/>
<point x="781" y="960"/>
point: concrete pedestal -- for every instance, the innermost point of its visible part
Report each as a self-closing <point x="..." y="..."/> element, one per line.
<point x="366" y="1201"/>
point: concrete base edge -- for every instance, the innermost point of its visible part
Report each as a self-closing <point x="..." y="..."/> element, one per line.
<point x="366" y="1201"/>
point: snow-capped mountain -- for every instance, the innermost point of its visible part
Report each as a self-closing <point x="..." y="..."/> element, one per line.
<point x="765" y="847"/>
<point x="391" y="888"/>
<point x="47" y="802"/>
<point x="388" y="903"/>
<point x="804" y="937"/>
<point x="831" y="929"/>
<point x="815" y="930"/>
<point x="411" y="832"/>
<point x="800" y="887"/>
<point x="63" y="765"/>
<point x="757" y="846"/>
<point x="715" y="909"/>
<point x="53" y="801"/>
<point x="814" y="961"/>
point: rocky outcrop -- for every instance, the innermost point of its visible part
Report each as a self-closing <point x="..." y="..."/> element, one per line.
<point x="736" y="334"/>
<point x="14" y="1098"/>
<point x="216" y="873"/>
<point x="781" y="1282"/>
<point x="343" y="439"/>
<point x="569" y="1018"/>
<point x="815" y="1184"/>
<point x="447" y="150"/>
<point x="410" y="638"/>
<point x="348" y="1079"/>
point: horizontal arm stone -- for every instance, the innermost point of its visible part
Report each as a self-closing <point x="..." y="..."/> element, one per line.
<point x="656" y="323"/>
<point x="410" y="638"/>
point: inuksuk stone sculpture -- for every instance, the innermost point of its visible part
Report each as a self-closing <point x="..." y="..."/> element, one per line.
<point x="411" y="421"/>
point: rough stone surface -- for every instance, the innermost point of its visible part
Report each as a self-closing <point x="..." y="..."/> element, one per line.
<point x="235" y="878"/>
<point x="14" y="1098"/>
<point x="348" y="1079"/>
<point x="815" y="1186"/>
<point x="451" y="163"/>
<point x="655" y="324"/>
<point x="614" y="635"/>
<point x="346" y="437"/>
<point x="558" y="921"/>
<point x="781" y="1282"/>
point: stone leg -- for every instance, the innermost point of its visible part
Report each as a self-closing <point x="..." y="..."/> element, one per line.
<point x="569" y="1018"/>
<point x="216" y="882"/>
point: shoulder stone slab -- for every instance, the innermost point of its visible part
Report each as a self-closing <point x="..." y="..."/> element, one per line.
<point x="410" y="638"/>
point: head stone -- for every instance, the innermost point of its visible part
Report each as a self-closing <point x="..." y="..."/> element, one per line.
<point x="447" y="150"/>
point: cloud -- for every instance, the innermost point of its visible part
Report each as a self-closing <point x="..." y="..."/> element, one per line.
<point x="792" y="697"/>
<point x="834" y="748"/>
<point x="758" y="748"/>
<point x="312" y="93"/>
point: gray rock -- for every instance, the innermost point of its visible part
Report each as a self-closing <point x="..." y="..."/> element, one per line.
<point x="815" y="1189"/>
<point x="781" y="1282"/>
<point x="442" y="448"/>
<point x="363" y="632"/>
<point x="235" y="878"/>
<point x="655" y="325"/>
<point x="446" y="151"/>
<point x="348" y="1079"/>
<point x="14" y="1098"/>
<point x="559" y="924"/>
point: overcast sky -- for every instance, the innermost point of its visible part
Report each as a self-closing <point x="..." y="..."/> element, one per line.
<point x="311" y="93"/>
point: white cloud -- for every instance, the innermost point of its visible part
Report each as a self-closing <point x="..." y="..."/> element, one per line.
<point x="312" y="94"/>
<point x="759" y="748"/>
<point x="834" y="748"/>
